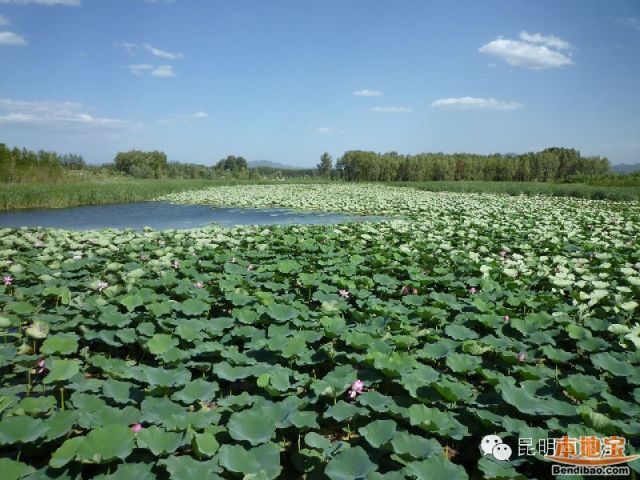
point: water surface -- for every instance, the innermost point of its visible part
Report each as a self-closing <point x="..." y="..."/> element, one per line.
<point x="162" y="215"/>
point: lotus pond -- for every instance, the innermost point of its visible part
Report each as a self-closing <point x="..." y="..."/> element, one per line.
<point x="361" y="350"/>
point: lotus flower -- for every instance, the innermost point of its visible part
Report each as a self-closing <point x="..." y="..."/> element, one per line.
<point x="505" y="318"/>
<point x="38" y="244"/>
<point x="144" y="258"/>
<point x="522" y="357"/>
<point x="503" y="253"/>
<point x="136" y="428"/>
<point x="199" y="285"/>
<point x="356" y="388"/>
<point x="233" y="260"/>
<point x="77" y="256"/>
<point x="344" y="293"/>
<point x="102" y="285"/>
<point x="250" y="267"/>
<point x="41" y="366"/>
<point x="472" y="290"/>
<point x="7" y="279"/>
<point x="175" y="264"/>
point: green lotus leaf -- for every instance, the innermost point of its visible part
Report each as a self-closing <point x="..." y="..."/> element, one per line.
<point x="342" y="411"/>
<point x="66" y="452"/>
<point x="607" y="362"/>
<point x="35" y="405"/>
<point x="379" y="432"/>
<point x="61" y="370"/>
<point x="251" y="425"/>
<point x="159" y="309"/>
<point x="61" y="343"/>
<point x="197" y="390"/>
<point x="194" y="306"/>
<point x="282" y="313"/>
<point x="127" y="471"/>
<point x="61" y="423"/>
<point x="435" y="468"/>
<point x="160" y="343"/>
<point x="263" y="459"/>
<point x="205" y="444"/>
<point x="498" y="469"/>
<point x="413" y="446"/>
<point x="12" y="470"/>
<point x="186" y="468"/>
<point x="21" y="429"/>
<point x="351" y="464"/>
<point x="21" y="308"/>
<point x="131" y="302"/>
<point x="106" y="444"/>
<point x="583" y="387"/>
<point x="159" y="441"/>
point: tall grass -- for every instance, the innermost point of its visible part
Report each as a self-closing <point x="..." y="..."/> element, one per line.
<point x="51" y="195"/>
<point x="15" y="196"/>
<point x="530" y="188"/>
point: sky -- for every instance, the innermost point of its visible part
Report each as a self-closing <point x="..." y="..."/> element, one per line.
<point x="286" y="80"/>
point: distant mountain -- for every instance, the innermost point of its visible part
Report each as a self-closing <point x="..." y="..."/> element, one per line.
<point x="270" y="164"/>
<point x="626" y="168"/>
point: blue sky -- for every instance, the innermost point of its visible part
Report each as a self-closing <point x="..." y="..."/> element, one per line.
<point x="285" y="80"/>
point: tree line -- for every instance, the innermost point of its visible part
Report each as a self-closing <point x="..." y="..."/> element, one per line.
<point x="22" y="165"/>
<point x="549" y="165"/>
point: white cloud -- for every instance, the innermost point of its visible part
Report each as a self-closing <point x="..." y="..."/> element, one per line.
<point x="10" y="38"/>
<point x="323" y="130"/>
<point x="162" y="53"/>
<point x="69" y="3"/>
<point x="475" y="103"/>
<point x="548" y="40"/>
<point x="164" y="71"/>
<point x="140" y="68"/>
<point x="52" y="114"/>
<point x="183" y="118"/>
<point x="130" y="48"/>
<point x="633" y="22"/>
<point x="367" y="93"/>
<point x="392" y="109"/>
<point x="4" y="21"/>
<point x="533" y="51"/>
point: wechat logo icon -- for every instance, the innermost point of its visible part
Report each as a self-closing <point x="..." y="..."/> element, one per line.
<point x="492" y="445"/>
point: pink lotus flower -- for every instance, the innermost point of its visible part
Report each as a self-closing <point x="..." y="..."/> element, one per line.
<point x="344" y="293"/>
<point x="137" y="428"/>
<point x="503" y="253"/>
<point x="522" y="357"/>
<point x="7" y="279"/>
<point x="198" y="285"/>
<point x="356" y="388"/>
<point x="102" y="285"/>
<point x="505" y="318"/>
<point x="472" y="290"/>
<point x="41" y="366"/>
<point x="144" y="258"/>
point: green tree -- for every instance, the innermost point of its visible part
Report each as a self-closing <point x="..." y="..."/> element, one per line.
<point x="326" y="165"/>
